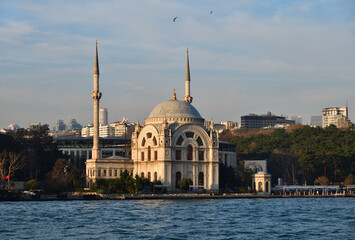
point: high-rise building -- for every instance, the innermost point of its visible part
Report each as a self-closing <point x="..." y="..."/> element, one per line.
<point x="263" y="121"/>
<point x="316" y="121"/>
<point x="337" y="116"/>
<point x="297" y="119"/>
<point x="123" y="128"/>
<point x="60" y="126"/>
<point x="103" y="117"/>
<point x="73" y="125"/>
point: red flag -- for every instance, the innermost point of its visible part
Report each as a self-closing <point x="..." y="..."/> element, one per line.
<point x="6" y="177"/>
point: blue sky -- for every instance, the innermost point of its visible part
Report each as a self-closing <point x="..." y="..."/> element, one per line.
<point x="287" y="57"/>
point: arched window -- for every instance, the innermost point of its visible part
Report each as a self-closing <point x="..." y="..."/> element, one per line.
<point x="149" y="135"/>
<point x="155" y="155"/>
<point x="177" y="179"/>
<point x="143" y="142"/>
<point x="155" y="176"/>
<point x="142" y="175"/>
<point x="179" y="141"/>
<point x="199" y="141"/>
<point x="189" y="134"/>
<point x="189" y="152"/>
<point x="149" y="153"/>
<point x="201" y="155"/>
<point x="178" y="154"/>
<point x="155" y="141"/>
<point x="200" y="179"/>
<point x="149" y="176"/>
<point x="267" y="187"/>
<point x="260" y="186"/>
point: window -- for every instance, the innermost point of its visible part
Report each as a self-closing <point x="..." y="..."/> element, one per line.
<point x="178" y="154"/>
<point x="143" y="142"/>
<point x="149" y="176"/>
<point x="200" y="179"/>
<point x="177" y="179"/>
<point x="99" y="172"/>
<point x="155" y="141"/>
<point x="260" y="186"/>
<point x="142" y="174"/>
<point x="149" y="135"/>
<point x="189" y="152"/>
<point x="115" y="172"/>
<point x="110" y="172"/>
<point x="142" y="156"/>
<point x="155" y="176"/>
<point x="179" y="141"/>
<point x="199" y="141"/>
<point x="149" y="153"/>
<point x="104" y="173"/>
<point x="189" y="134"/>
<point x="155" y="155"/>
<point x="201" y="155"/>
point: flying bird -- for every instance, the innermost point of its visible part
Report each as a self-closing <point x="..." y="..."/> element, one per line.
<point x="174" y="19"/>
<point x="211" y="12"/>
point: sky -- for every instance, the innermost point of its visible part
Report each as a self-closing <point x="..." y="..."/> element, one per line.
<point x="286" y="57"/>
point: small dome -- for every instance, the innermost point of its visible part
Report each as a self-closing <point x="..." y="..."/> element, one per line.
<point x="174" y="110"/>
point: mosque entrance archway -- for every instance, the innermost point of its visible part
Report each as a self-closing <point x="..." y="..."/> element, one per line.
<point x="260" y="186"/>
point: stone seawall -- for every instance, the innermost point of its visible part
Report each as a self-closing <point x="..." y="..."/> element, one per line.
<point x="180" y="196"/>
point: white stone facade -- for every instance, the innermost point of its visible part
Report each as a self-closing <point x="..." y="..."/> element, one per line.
<point x="262" y="182"/>
<point x="178" y="147"/>
<point x="174" y="144"/>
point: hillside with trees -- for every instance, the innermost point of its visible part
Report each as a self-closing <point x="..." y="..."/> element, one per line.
<point x="301" y="154"/>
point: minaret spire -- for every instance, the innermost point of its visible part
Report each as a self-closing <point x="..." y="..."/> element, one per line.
<point x="96" y="95"/>
<point x="96" y="65"/>
<point x="187" y="98"/>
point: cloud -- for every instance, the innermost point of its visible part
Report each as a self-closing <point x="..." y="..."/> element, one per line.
<point x="12" y="30"/>
<point x="257" y="53"/>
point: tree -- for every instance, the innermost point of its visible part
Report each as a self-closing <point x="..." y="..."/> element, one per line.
<point x="185" y="183"/>
<point x="64" y="176"/>
<point x="31" y="185"/>
<point x="40" y="151"/>
<point x="9" y="163"/>
<point x="350" y="179"/>
<point x="322" y="180"/>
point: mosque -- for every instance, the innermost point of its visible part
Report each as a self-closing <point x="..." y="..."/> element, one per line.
<point x="173" y="144"/>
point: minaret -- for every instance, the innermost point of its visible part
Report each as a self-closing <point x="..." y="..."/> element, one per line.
<point x="187" y="98"/>
<point x="96" y="95"/>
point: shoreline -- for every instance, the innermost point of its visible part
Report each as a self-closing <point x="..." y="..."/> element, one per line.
<point x="179" y="196"/>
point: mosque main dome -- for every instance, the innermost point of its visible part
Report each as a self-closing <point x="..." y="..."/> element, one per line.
<point x="174" y="111"/>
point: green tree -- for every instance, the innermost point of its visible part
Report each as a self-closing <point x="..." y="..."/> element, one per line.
<point x="31" y="185"/>
<point x="63" y="177"/>
<point x="185" y="183"/>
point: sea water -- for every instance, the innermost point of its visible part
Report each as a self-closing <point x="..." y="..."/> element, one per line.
<point x="299" y="218"/>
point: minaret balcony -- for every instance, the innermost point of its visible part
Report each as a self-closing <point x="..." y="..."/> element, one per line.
<point x="96" y="95"/>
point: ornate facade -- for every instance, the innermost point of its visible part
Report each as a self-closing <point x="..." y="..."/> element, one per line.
<point x="173" y="144"/>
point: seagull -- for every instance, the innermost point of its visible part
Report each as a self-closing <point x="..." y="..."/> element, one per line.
<point x="174" y="19"/>
<point x="211" y="12"/>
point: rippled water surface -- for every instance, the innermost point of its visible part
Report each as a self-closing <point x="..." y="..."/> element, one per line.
<point x="322" y="218"/>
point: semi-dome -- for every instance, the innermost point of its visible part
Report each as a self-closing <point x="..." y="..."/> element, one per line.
<point x="174" y="111"/>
